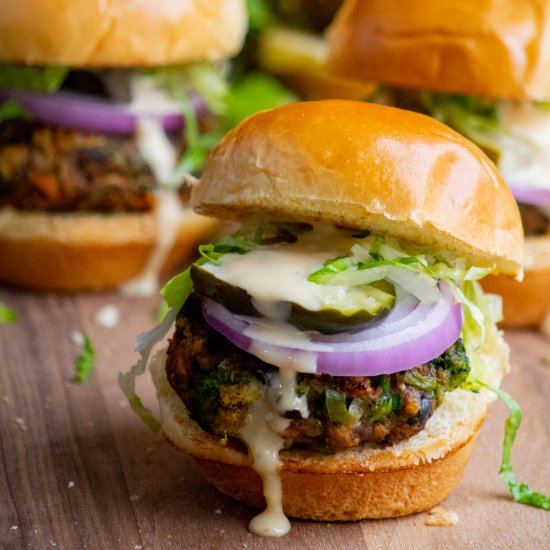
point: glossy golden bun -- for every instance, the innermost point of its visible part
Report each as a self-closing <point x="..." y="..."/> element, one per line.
<point x="85" y="251"/>
<point x="363" y="482"/>
<point x="526" y="303"/>
<point x="487" y="48"/>
<point x="365" y="166"/>
<point x="120" y="33"/>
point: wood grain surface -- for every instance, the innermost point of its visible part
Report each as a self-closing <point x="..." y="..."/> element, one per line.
<point x="79" y="470"/>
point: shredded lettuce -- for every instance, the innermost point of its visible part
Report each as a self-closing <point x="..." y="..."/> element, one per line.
<point x="208" y="80"/>
<point x="85" y="362"/>
<point x="521" y="492"/>
<point x="231" y="103"/>
<point x="477" y="118"/>
<point x="197" y="144"/>
<point x="332" y="267"/>
<point x="12" y="109"/>
<point x="7" y="315"/>
<point x="144" y="346"/>
<point x="376" y="257"/>
<point x="229" y="244"/>
<point x="41" y="78"/>
<point x="249" y="236"/>
<point x="127" y="383"/>
<point x="176" y="291"/>
<point x="260" y="15"/>
<point x="205" y="79"/>
<point x="467" y="114"/>
<point x="161" y="312"/>
<point x="255" y="92"/>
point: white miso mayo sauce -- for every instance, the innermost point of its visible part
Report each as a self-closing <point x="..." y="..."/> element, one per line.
<point x="160" y="155"/>
<point x="168" y="214"/>
<point x="262" y="436"/>
<point x="279" y="273"/>
<point x="273" y="275"/>
<point x="525" y="144"/>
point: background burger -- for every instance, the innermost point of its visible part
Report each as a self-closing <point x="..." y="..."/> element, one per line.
<point x="326" y="348"/>
<point x="286" y="39"/>
<point x="105" y="106"/>
<point x="482" y="69"/>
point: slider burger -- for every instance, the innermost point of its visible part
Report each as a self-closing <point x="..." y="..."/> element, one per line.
<point x="321" y="354"/>
<point x="482" y="68"/>
<point x="101" y="108"/>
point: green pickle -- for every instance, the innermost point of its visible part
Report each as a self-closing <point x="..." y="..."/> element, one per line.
<point x="235" y="299"/>
<point x="327" y="320"/>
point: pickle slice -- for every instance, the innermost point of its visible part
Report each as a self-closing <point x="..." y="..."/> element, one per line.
<point x="374" y="302"/>
<point x="331" y="320"/>
<point x="235" y="299"/>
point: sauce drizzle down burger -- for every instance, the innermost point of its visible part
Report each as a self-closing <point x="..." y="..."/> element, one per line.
<point x="321" y="355"/>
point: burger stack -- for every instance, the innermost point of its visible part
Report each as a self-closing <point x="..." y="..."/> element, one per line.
<point x="102" y="109"/>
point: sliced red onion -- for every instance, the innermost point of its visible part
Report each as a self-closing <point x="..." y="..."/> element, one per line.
<point x="531" y="195"/>
<point x="84" y="112"/>
<point x="412" y="334"/>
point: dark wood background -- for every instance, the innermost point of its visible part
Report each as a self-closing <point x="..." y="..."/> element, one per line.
<point x="79" y="470"/>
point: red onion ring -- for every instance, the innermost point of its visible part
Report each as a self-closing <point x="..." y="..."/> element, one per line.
<point x="93" y="114"/>
<point x="412" y="334"/>
<point x="531" y="195"/>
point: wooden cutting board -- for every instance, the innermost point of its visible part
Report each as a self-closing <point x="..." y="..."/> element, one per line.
<point x="79" y="470"/>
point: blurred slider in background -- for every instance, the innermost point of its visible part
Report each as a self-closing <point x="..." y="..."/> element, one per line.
<point x="482" y="68"/>
<point x="286" y="39"/>
<point x="104" y="109"/>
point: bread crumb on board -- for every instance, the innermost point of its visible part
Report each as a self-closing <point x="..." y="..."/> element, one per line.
<point x="439" y="517"/>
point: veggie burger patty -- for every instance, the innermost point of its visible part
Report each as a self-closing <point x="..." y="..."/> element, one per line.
<point x="218" y="382"/>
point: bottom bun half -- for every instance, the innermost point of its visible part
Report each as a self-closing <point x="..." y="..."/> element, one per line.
<point x="526" y="303"/>
<point x="359" y="483"/>
<point x="86" y="251"/>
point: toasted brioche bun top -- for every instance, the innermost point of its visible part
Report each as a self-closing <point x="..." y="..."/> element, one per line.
<point x="364" y="166"/>
<point x="492" y="48"/>
<point x="114" y="33"/>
